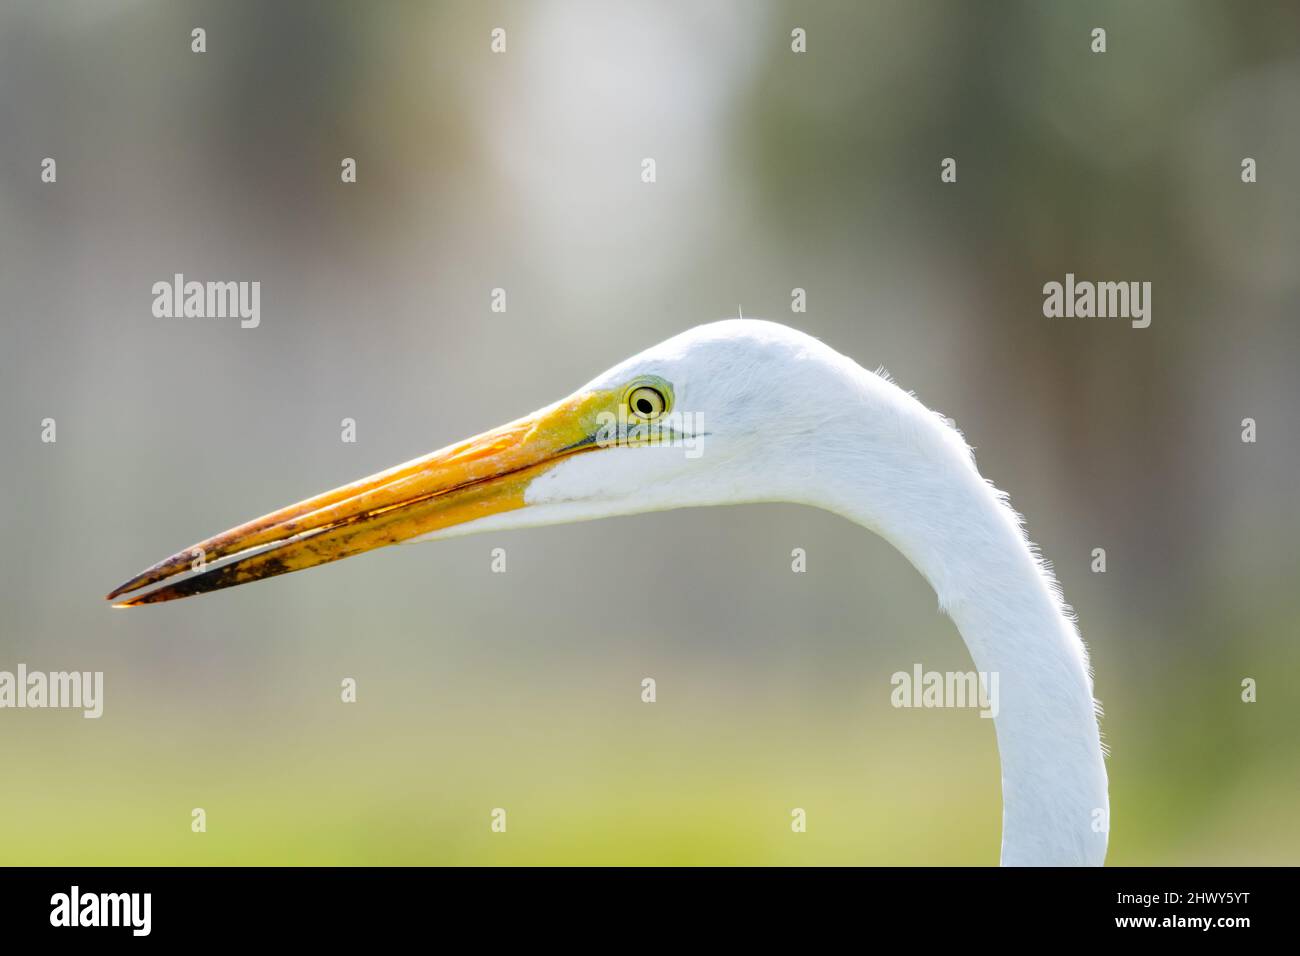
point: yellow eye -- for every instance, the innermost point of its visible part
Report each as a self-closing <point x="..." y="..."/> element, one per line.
<point x="649" y="403"/>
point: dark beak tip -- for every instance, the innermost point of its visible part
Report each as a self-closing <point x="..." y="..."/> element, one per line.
<point x="122" y="589"/>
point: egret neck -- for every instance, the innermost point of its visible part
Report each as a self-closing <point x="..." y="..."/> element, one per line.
<point x="907" y="474"/>
<point x="776" y="415"/>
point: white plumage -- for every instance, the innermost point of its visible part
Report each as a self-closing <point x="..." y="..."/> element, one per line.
<point x="768" y="414"/>
<point x="784" y="417"/>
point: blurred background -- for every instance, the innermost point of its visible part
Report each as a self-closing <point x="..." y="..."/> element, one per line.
<point x="522" y="171"/>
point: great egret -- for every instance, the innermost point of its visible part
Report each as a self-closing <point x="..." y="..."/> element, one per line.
<point x="746" y="411"/>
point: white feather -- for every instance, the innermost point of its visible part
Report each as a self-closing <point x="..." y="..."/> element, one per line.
<point x="783" y="417"/>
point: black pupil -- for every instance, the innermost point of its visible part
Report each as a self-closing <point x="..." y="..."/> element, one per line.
<point x="643" y="406"/>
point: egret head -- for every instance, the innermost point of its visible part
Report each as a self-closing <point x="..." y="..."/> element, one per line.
<point x="733" y="412"/>
<point x="692" y="421"/>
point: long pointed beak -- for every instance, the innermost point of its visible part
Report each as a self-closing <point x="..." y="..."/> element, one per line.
<point x="475" y="478"/>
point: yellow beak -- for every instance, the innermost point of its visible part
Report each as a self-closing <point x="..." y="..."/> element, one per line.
<point x="481" y="476"/>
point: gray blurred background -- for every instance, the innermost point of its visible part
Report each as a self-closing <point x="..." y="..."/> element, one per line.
<point x="522" y="171"/>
